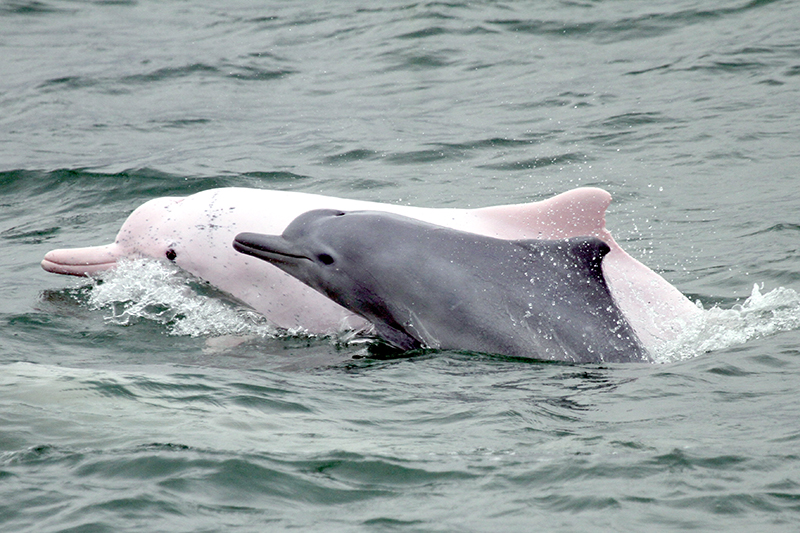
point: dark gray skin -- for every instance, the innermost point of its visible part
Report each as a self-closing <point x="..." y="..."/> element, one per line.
<point x="426" y="286"/>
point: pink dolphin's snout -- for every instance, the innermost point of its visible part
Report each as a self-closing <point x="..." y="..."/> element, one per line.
<point x="81" y="261"/>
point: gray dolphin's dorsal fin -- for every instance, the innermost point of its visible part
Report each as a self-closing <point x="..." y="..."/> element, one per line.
<point x="589" y="253"/>
<point x="570" y="214"/>
<point x="585" y="253"/>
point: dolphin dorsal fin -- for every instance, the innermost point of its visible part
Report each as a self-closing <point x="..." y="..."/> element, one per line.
<point x="584" y="254"/>
<point x="574" y="213"/>
<point x="589" y="252"/>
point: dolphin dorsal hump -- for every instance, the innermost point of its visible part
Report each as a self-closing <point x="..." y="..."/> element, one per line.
<point x="578" y="212"/>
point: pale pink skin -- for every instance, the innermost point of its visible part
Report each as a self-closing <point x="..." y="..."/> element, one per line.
<point x="200" y="228"/>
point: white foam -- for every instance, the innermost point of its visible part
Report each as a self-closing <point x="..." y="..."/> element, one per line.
<point x="160" y="292"/>
<point x="759" y="316"/>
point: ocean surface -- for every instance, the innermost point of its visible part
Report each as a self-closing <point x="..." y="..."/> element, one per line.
<point x="147" y="401"/>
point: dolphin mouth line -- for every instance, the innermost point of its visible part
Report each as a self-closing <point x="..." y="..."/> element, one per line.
<point x="57" y="266"/>
<point x="79" y="261"/>
<point x="262" y="252"/>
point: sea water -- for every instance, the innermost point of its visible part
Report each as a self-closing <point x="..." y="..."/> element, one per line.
<point x="149" y="401"/>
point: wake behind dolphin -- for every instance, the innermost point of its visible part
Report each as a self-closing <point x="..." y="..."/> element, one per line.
<point x="424" y="285"/>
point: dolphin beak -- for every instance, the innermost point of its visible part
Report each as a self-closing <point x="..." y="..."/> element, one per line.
<point x="271" y="248"/>
<point x="81" y="261"/>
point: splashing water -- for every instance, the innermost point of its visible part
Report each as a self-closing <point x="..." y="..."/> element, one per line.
<point x="759" y="316"/>
<point x="153" y="290"/>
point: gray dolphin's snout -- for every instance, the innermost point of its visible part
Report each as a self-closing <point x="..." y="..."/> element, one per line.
<point x="267" y="247"/>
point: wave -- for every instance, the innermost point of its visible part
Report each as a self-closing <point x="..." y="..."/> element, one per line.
<point x="114" y="85"/>
<point x="77" y="188"/>
<point x="648" y="24"/>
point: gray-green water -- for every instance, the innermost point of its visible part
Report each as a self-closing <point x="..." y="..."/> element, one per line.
<point x="130" y="406"/>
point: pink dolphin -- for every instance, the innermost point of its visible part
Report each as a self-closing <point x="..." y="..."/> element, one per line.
<point x="196" y="233"/>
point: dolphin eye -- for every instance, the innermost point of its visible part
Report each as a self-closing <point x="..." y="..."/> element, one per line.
<point x="325" y="259"/>
<point x="171" y="255"/>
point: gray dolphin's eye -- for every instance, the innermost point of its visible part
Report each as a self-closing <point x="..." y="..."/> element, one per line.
<point x="171" y="255"/>
<point x="325" y="259"/>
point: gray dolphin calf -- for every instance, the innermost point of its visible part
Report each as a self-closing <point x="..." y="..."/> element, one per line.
<point x="427" y="286"/>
